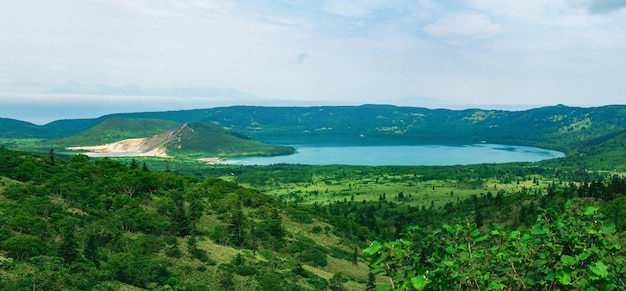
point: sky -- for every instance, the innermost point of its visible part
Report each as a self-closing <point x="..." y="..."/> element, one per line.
<point x="430" y="53"/>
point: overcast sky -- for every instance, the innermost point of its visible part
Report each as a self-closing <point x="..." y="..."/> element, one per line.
<point x="420" y="52"/>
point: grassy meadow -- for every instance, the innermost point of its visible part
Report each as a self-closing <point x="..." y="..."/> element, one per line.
<point x="416" y="186"/>
<point x="397" y="185"/>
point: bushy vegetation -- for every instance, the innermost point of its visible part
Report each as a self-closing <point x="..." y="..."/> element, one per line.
<point x="121" y="225"/>
<point x="573" y="250"/>
<point x="83" y="224"/>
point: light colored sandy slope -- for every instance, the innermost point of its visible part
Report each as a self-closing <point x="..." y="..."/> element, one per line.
<point x="150" y="146"/>
<point x="154" y="146"/>
<point x="124" y="148"/>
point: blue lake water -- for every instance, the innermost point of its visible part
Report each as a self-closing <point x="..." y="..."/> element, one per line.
<point x="406" y="155"/>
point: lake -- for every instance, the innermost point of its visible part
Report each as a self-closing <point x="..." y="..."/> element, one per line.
<point x="405" y="155"/>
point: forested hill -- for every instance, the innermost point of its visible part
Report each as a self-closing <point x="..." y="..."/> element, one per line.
<point x="557" y="127"/>
<point x="12" y="128"/>
<point x="199" y="139"/>
<point x="560" y="126"/>
<point x="102" y="225"/>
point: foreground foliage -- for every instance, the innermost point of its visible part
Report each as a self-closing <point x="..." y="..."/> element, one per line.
<point x="83" y="224"/>
<point x="102" y="225"/>
<point x="572" y="250"/>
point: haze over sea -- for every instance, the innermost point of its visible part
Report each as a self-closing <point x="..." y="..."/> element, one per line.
<point x="404" y="155"/>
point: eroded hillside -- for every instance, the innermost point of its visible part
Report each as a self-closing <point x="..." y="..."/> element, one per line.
<point x="149" y="146"/>
<point x="194" y="140"/>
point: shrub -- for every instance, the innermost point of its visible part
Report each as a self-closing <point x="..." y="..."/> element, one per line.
<point x="6" y="263"/>
<point x="316" y="229"/>
<point x="573" y="250"/>
<point x="315" y="257"/>
<point x="22" y="247"/>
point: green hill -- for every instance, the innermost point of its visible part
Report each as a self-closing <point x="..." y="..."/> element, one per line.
<point x="12" y="128"/>
<point x="556" y="127"/>
<point x="115" y="129"/>
<point x="203" y="140"/>
<point x="192" y="140"/>
<point x="606" y="152"/>
<point x="68" y="127"/>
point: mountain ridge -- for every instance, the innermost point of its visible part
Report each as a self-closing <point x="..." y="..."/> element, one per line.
<point x="557" y="127"/>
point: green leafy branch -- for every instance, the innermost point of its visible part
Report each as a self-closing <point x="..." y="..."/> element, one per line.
<point x="572" y="250"/>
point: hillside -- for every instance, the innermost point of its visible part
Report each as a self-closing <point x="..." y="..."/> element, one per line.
<point x="199" y="140"/>
<point x="12" y="128"/>
<point x="83" y="225"/>
<point x="150" y="146"/>
<point x="556" y="127"/>
<point x="192" y="140"/>
<point x="115" y="129"/>
<point x="608" y="151"/>
<point x="67" y="127"/>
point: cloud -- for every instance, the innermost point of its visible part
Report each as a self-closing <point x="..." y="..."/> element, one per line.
<point x="463" y="25"/>
<point x="350" y="8"/>
<point x="299" y="58"/>
<point x="605" y="6"/>
<point x="544" y="12"/>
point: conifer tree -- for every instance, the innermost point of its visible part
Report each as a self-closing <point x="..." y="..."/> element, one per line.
<point x="52" y="158"/>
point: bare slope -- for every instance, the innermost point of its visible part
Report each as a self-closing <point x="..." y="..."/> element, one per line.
<point x="193" y="140"/>
<point x="150" y="146"/>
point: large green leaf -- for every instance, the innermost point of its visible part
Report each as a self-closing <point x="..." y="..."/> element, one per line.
<point x="564" y="277"/>
<point x="420" y="282"/>
<point x="582" y="256"/>
<point x="600" y="269"/>
<point x="568" y="260"/>
<point x="372" y="249"/>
